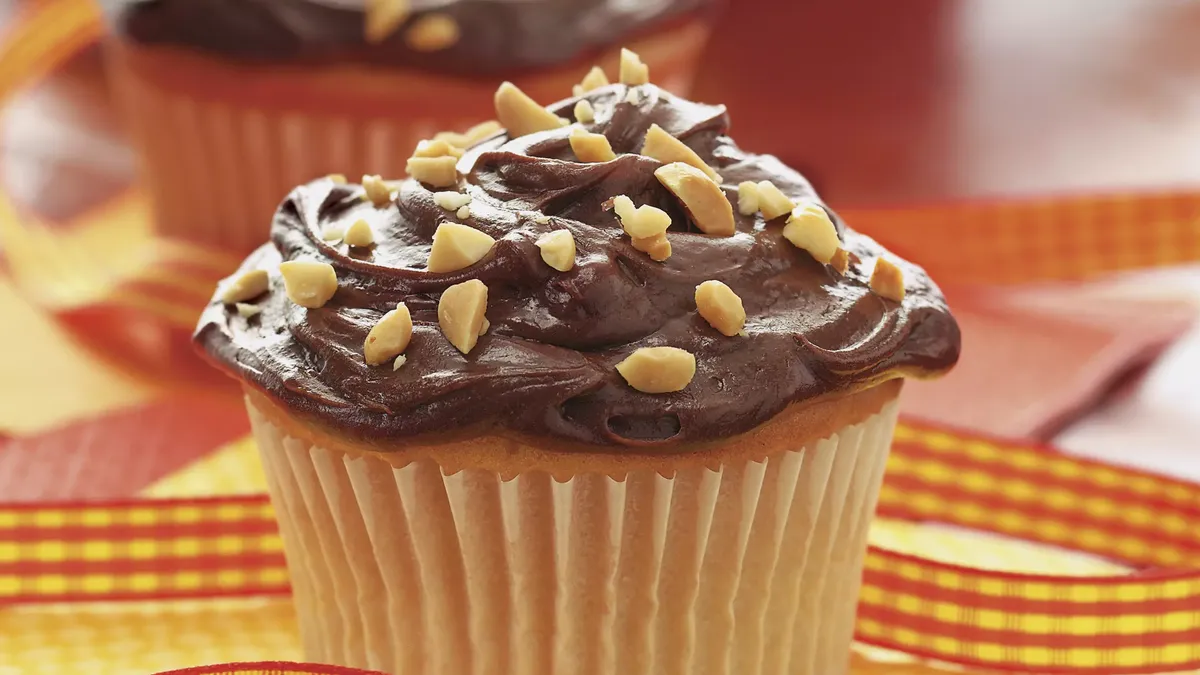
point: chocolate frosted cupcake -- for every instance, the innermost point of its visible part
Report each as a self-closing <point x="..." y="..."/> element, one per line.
<point x="612" y="397"/>
<point x="234" y="102"/>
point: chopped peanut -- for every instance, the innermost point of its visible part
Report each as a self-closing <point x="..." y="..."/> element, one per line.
<point x="399" y="363"/>
<point x="470" y="136"/>
<point x="584" y="112"/>
<point x="463" y="212"/>
<point x="483" y="327"/>
<point x="541" y="219"/>
<point x="720" y="307"/>
<point x="590" y="147"/>
<point x="747" y="198"/>
<point x="657" y="247"/>
<point x="389" y="337"/>
<point x="451" y="201"/>
<point x="772" y="202"/>
<point x="593" y="80"/>
<point x="246" y="286"/>
<point x="632" y="97"/>
<point x="333" y="232"/>
<point x="435" y="171"/>
<point x="432" y="32"/>
<point x="667" y="149"/>
<point x="633" y="71"/>
<point x="841" y="261"/>
<point x="558" y="249"/>
<point x="809" y="228"/>
<point x="460" y="313"/>
<point x="658" y="370"/>
<point x="703" y="199"/>
<point x="309" y="284"/>
<point x="456" y="246"/>
<point x="337" y="178"/>
<point x="246" y="311"/>
<point x="359" y="235"/>
<point x="522" y="115"/>
<point x="643" y="222"/>
<point x="438" y="147"/>
<point x="383" y="17"/>
<point x="378" y="191"/>
<point x="888" y="280"/>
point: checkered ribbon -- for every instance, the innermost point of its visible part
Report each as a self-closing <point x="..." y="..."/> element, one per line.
<point x="1141" y="623"/>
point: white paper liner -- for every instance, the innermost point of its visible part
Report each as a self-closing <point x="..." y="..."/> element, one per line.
<point x="754" y="568"/>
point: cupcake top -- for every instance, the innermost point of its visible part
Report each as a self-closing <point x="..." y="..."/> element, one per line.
<point x="612" y="270"/>
<point x="456" y="36"/>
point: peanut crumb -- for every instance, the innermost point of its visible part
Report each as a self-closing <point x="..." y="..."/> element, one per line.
<point x="558" y="249"/>
<point x="333" y="232"/>
<point x="541" y="219"/>
<point x="337" y="178"/>
<point x="720" y="307"/>
<point x="657" y="247"/>
<point x="747" y="198"/>
<point x="451" y="201"/>
<point x="701" y="197"/>
<point x="460" y="313"/>
<point x="772" y="202"/>
<point x="483" y="328"/>
<point x="435" y="171"/>
<point x="389" y="337"/>
<point x="432" y="32"/>
<point x="378" y="191"/>
<point x="658" y="370"/>
<point x="470" y="136"/>
<point x="633" y="97"/>
<point x="382" y="18"/>
<point x="590" y="147"/>
<point x="309" y="284"/>
<point x="246" y="311"/>
<point x="667" y="149"/>
<point x="633" y="71"/>
<point x="246" y="286"/>
<point x="359" y="235"/>
<point x="810" y="229"/>
<point x="594" y="79"/>
<point x="584" y="112"/>
<point x="463" y="212"/>
<point x="437" y="147"/>
<point x="456" y="246"/>
<point x="642" y="222"/>
<point x="399" y="362"/>
<point x="887" y="280"/>
<point x="522" y="115"/>
<point x="841" y="261"/>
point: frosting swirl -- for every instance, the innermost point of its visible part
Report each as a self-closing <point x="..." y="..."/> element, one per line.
<point x="546" y="366"/>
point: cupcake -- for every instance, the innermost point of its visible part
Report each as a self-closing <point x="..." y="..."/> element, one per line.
<point x="232" y="103"/>
<point x="613" y="396"/>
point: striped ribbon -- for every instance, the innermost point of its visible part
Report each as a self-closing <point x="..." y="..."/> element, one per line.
<point x="1140" y="623"/>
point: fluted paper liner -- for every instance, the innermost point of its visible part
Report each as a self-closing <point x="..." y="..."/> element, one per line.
<point x="750" y="568"/>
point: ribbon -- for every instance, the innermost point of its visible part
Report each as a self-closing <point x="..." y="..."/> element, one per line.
<point x="229" y="546"/>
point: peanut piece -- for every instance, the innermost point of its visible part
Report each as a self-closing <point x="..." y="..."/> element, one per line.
<point x="841" y="261"/>
<point x="460" y="313"/>
<point x="378" y="191"/>
<point x="888" y="280"/>
<point x="701" y="197"/>
<point x="246" y="311"/>
<point x="382" y="18"/>
<point x="657" y="247"/>
<point x="451" y="201"/>
<point x="456" y="246"/>
<point x="593" y="80"/>
<point x="309" y="284"/>
<point x="720" y="307"/>
<point x="246" y="286"/>
<point x="389" y="337"/>
<point x="643" y="222"/>
<point x="658" y="370"/>
<point x="667" y="149"/>
<point x="433" y="32"/>
<point x="483" y="328"/>
<point x="632" y="97"/>
<point x="337" y="178"/>
<point x="463" y="212"/>
<point x="333" y="232"/>
<point x="360" y="235"/>
<point x="470" y="136"/>
<point x="772" y="202"/>
<point x="400" y="361"/>
<point x="522" y="115"/>
<point x="558" y="249"/>
<point x="439" y="147"/>
<point x="584" y="112"/>
<point x="809" y="228"/>
<point x="747" y="198"/>
<point x="633" y="71"/>
<point x="590" y="147"/>
<point x="541" y="219"/>
<point x="435" y="171"/>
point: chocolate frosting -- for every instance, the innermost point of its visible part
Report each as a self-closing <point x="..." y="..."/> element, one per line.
<point x="496" y="35"/>
<point x="546" y="366"/>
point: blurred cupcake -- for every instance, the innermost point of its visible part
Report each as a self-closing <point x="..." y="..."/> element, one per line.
<point x="604" y="394"/>
<point x="234" y="102"/>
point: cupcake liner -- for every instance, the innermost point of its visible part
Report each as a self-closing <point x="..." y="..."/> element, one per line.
<point x="753" y="567"/>
<point x="222" y="144"/>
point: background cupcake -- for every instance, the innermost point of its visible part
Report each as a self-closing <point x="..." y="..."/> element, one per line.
<point x="645" y="377"/>
<point x="234" y="102"/>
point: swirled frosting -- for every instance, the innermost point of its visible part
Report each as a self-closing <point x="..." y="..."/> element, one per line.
<point x="546" y="366"/>
<point x="496" y="35"/>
